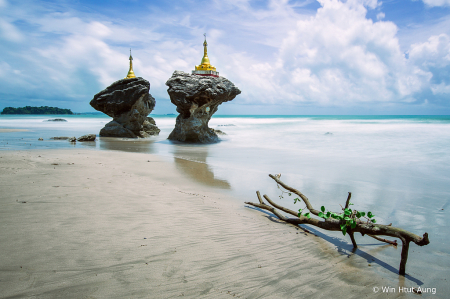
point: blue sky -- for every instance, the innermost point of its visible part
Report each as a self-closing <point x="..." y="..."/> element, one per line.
<point x="288" y="57"/>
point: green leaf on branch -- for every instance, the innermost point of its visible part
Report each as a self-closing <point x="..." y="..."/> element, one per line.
<point x="347" y="211"/>
<point x="353" y="224"/>
<point x="358" y="214"/>
<point x="328" y="214"/>
<point x="322" y="208"/>
<point x="344" y="229"/>
<point x="363" y="214"/>
<point x="320" y="215"/>
<point x="370" y="215"/>
<point x="299" y="213"/>
<point x="296" y="199"/>
<point x="307" y="215"/>
<point x="373" y="221"/>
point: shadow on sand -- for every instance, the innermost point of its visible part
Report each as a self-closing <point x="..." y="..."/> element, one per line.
<point x="346" y="248"/>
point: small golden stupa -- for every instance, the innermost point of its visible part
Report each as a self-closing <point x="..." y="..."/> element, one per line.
<point x="205" y="68"/>
<point x="130" y="72"/>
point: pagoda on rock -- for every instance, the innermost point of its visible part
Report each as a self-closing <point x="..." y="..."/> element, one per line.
<point x="205" y="68"/>
<point x="130" y="72"/>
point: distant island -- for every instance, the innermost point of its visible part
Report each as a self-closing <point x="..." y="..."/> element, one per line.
<point x="36" y="110"/>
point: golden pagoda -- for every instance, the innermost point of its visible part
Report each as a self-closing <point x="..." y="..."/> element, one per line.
<point x="205" y="68"/>
<point x="130" y="72"/>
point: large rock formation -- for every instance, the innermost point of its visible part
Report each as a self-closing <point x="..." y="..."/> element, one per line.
<point x="128" y="102"/>
<point x="197" y="99"/>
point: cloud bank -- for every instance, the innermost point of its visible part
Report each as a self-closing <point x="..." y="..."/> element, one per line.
<point x="328" y="54"/>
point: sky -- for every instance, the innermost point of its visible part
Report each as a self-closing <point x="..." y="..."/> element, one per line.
<point x="288" y="57"/>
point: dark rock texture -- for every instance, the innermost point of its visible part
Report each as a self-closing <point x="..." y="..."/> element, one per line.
<point x="128" y="102"/>
<point x="57" y="119"/>
<point x="59" y="138"/>
<point x="197" y="98"/>
<point x="89" y="137"/>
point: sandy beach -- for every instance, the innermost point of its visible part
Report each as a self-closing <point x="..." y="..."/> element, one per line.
<point x="82" y="223"/>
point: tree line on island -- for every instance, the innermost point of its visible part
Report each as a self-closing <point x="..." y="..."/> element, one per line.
<point x="36" y="110"/>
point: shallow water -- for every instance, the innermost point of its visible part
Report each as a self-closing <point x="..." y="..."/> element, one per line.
<point x="396" y="167"/>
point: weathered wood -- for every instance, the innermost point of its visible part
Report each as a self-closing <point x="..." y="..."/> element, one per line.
<point x="362" y="227"/>
<point x="347" y="203"/>
<point x="404" y="256"/>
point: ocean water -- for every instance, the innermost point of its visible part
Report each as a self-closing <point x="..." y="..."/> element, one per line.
<point x="398" y="167"/>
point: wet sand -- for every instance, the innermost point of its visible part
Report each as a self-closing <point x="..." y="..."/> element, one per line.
<point x="80" y="223"/>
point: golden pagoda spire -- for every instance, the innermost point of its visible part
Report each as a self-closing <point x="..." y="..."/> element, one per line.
<point x="130" y="72"/>
<point x="205" y="68"/>
<point x="205" y="59"/>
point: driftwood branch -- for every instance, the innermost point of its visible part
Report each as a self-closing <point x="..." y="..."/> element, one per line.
<point x="362" y="227"/>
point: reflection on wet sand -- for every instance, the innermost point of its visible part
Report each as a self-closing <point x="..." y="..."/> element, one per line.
<point x="192" y="161"/>
<point x="127" y="144"/>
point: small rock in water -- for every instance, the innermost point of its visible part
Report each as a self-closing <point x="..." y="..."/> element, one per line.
<point x="219" y="132"/>
<point x="328" y="133"/>
<point x="59" y="138"/>
<point x="72" y="139"/>
<point x="41" y="139"/>
<point x="57" y="119"/>
<point x="89" y="137"/>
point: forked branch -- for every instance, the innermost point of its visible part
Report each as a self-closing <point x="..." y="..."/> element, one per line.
<point x="328" y="223"/>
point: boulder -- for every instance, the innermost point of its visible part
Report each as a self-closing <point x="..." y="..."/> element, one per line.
<point x="89" y="137"/>
<point x="57" y="119"/>
<point x="197" y="98"/>
<point x="219" y="132"/>
<point x="128" y="102"/>
<point x="59" y="138"/>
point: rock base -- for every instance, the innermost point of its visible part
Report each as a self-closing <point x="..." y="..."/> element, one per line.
<point x="193" y="130"/>
<point x="116" y="129"/>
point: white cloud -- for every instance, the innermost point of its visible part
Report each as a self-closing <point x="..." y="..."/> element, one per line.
<point x="440" y="88"/>
<point x="433" y="3"/>
<point x="9" y="32"/>
<point x="433" y="53"/>
<point x="5" y="69"/>
<point x="368" y="3"/>
<point x="433" y="57"/>
<point x="337" y="57"/>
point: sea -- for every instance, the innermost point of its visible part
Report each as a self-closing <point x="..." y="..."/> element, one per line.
<point x="397" y="167"/>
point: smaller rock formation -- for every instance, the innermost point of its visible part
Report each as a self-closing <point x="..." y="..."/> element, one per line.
<point x="57" y="119"/>
<point x="197" y="98"/>
<point x="219" y="132"/>
<point x="89" y="137"/>
<point x="128" y="102"/>
<point x="59" y="138"/>
<point x="72" y="139"/>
